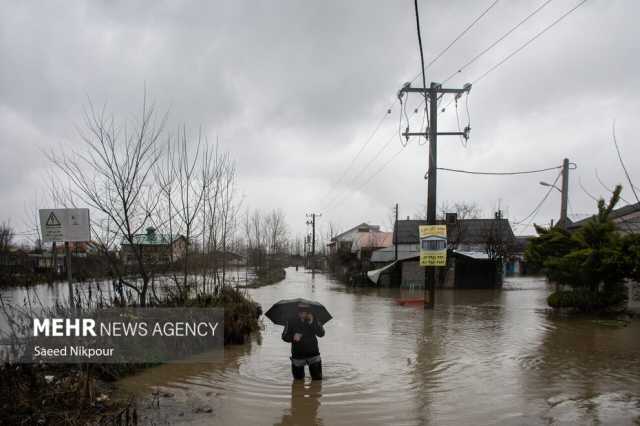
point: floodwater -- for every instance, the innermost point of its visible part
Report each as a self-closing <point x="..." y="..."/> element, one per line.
<point x="482" y="357"/>
<point x="47" y="295"/>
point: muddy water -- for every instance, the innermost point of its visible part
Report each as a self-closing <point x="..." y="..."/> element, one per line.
<point x="482" y="357"/>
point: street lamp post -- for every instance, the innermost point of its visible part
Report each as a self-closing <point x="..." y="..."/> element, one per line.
<point x="564" y="192"/>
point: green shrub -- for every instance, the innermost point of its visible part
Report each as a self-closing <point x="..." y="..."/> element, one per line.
<point x="587" y="301"/>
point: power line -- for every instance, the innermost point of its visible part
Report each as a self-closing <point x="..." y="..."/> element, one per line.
<point x="367" y="141"/>
<point x="534" y="212"/>
<point x="376" y="173"/>
<point x="388" y="111"/>
<point x="338" y="196"/>
<point x="512" y="54"/>
<point x="526" y="172"/>
<point x="475" y="21"/>
<point x="455" y="40"/>
<point x="585" y="191"/>
<point x="626" y="172"/>
<point x="495" y="43"/>
<point x="531" y="40"/>
<point x="607" y="188"/>
<point x="330" y="204"/>
<point x="443" y="51"/>
<point x="419" y="31"/>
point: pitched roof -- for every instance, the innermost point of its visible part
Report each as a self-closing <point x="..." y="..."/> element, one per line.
<point x="153" y="239"/>
<point x="362" y="225"/>
<point x="619" y="214"/>
<point x="373" y="240"/>
<point x="470" y="231"/>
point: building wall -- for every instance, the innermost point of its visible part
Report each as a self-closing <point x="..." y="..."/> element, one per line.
<point x="634" y="296"/>
<point x="629" y="224"/>
<point x="412" y="274"/>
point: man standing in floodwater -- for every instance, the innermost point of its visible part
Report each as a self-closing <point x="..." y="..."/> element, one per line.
<point x="302" y="332"/>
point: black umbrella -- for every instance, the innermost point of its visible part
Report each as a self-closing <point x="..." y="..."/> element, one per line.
<point x="286" y="309"/>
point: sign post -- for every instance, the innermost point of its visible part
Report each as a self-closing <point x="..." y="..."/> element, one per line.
<point x="65" y="225"/>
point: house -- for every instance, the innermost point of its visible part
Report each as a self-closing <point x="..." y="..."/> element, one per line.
<point x="155" y="248"/>
<point x="350" y="251"/>
<point x="476" y="249"/>
<point x="514" y="263"/>
<point x="228" y="257"/>
<point x="361" y="241"/>
<point x="626" y="219"/>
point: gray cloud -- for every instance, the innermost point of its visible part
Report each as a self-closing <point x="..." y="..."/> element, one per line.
<point x="294" y="88"/>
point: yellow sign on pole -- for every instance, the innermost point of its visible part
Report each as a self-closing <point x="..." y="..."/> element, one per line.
<point x="433" y="245"/>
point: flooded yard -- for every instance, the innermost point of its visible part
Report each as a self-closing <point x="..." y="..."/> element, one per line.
<point x="482" y="357"/>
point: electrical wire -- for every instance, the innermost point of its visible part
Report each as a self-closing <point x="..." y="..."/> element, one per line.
<point x="362" y="148"/>
<point x="526" y="172"/>
<point x="608" y="189"/>
<point x="512" y="54"/>
<point x="433" y="61"/>
<point x="446" y="49"/>
<point x="534" y="212"/>
<point x="364" y="169"/>
<point x="424" y="77"/>
<point x="459" y="36"/>
<point x="463" y="141"/>
<point x="456" y="39"/>
<point x="624" y="167"/>
<point x="376" y="173"/>
<point x="531" y="40"/>
<point x="495" y="43"/>
<point x="585" y="191"/>
<point x="334" y="201"/>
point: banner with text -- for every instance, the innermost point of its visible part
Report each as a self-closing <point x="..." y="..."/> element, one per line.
<point x="433" y="245"/>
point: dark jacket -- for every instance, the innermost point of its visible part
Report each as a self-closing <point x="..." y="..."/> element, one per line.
<point x="307" y="346"/>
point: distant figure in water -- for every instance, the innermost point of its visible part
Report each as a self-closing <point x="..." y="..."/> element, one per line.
<point x="302" y="333"/>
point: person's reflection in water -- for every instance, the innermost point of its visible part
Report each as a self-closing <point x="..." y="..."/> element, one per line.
<point x="305" y="401"/>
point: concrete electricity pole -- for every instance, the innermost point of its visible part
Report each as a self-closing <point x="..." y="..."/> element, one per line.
<point x="431" y="94"/>
<point x="395" y="233"/>
<point x="565" y="193"/>
<point x="312" y="222"/>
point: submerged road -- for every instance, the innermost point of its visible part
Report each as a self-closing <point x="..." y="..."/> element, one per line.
<point x="482" y="357"/>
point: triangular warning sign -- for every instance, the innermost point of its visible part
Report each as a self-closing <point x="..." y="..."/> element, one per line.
<point x="52" y="220"/>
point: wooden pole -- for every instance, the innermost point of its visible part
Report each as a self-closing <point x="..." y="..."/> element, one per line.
<point x="69" y="274"/>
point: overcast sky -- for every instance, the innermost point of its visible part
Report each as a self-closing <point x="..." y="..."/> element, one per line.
<point x="294" y="89"/>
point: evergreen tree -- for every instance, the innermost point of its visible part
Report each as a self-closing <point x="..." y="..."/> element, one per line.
<point x="594" y="260"/>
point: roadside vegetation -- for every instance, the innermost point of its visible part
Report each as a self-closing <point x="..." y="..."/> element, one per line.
<point x="168" y="230"/>
<point x="589" y="265"/>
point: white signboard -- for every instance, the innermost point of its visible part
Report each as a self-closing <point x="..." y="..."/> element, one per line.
<point x="65" y="224"/>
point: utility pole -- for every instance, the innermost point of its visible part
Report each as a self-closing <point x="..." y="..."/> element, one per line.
<point x="312" y="222"/>
<point x="395" y="233"/>
<point x="565" y="193"/>
<point x="431" y="94"/>
<point x="67" y="252"/>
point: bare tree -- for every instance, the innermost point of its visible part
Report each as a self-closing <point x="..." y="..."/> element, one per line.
<point x="276" y="230"/>
<point x="113" y="174"/>
<point x="191" y="186"/>
<point x="6" y="237"/>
